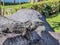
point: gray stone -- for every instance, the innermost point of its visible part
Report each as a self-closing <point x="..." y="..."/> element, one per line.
<point x="55" y="35"/>
<point x="25" y="15"/>
<point x="19" y="40"/>
<point x="47" y="39"/>
<point x="4" y="22"/>
<point x="8" y="25"/>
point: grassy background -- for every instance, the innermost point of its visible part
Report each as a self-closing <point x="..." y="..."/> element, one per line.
<point x="44" y="7"/>
<point x="54" y="22"/>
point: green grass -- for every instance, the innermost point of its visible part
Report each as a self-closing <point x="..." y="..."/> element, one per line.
<point x="54" y="21"/>
<point x="15" y="8"/>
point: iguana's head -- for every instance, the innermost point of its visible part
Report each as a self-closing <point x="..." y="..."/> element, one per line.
<point x="32" y="25"/>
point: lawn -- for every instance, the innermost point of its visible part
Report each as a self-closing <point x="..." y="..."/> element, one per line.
<point x="54" y="21"/>
<point x="13" y="8"/>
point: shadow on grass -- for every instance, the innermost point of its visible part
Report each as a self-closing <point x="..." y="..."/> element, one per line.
<point x="53" y="15"/>
<point x="56" y="25"/>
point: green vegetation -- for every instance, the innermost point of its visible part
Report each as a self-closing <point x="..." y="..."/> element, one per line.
<point x="0" y="9"/>
<point x="14" y="8"/>
<point x="44" y="7"/>
<point x="54" y="21"/>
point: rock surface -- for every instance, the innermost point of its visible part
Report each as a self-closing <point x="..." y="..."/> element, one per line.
<point x="55" y="35"/>
<point x="24" y="15"/>
<point x="35" y="25"/>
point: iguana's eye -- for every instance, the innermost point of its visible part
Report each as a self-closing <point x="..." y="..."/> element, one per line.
<point x="38" y="23"/>
<point x="27" y="24"/>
